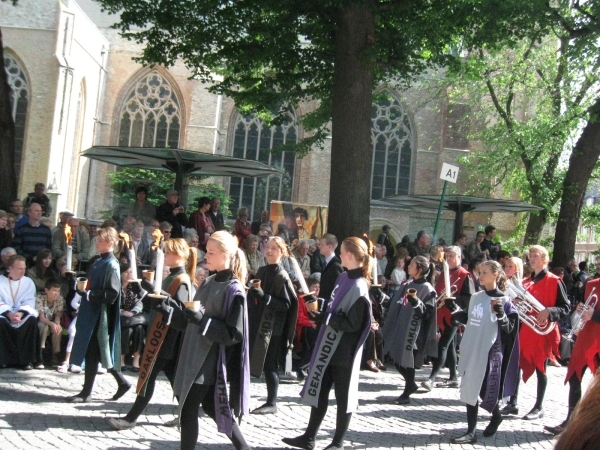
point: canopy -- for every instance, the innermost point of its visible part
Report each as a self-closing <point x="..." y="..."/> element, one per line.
<point x="182" y="162"/>
<point x="460" y="204"/>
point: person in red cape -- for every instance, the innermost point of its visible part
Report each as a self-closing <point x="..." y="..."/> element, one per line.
<point x="586" y="352"/>
<point x="535" y="350"/>
<point x="462" y="287"/>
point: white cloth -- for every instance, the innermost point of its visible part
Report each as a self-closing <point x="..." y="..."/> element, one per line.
<point x="398" y="277"/>
<point x="24" y="298"/>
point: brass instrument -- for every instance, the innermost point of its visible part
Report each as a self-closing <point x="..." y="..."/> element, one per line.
<point x="576" y="322"/>
<point x="440" y="299"/>
<point x="527" y="307"/>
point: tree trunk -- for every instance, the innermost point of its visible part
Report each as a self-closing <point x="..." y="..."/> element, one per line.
<point x="7" y="139"/>
<point x="581" y="165"/>
<point x="535" y="225"/>
<point x="350" y="180"/>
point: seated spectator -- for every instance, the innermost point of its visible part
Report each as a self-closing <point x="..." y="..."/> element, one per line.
<point x="398" y="274"/>
<point x="142" y="209"/>
<point x="80" y="242"/>
<point x="254" y="258"/>
<point x="241" y="229"/>
<point x="5" y="255"/>
<point x="18" y="317"/>
<point x="317" y="260"/>
<point x="133" y="319"/>
<point x="191" y="237"/>
<point x="63" y="218"/>
<point x="32" y="236"/>
<point x="65" y="277"/>
<point x="143" y="253"/>
<point x="11" y="221"/>
<point x="264" y="220"/>
<point x="5" y="232"/>
<point x="42" y="271"/>
<point x="303" y="258"/>
<point x="16" y="209"/>
<point x="38" y="196"/>
<point x="49" y="306"/>
<point x="263" y="235"/>
<point x="166" y="229"/>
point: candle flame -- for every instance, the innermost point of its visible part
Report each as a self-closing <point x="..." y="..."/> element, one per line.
<point x="157" y="235"/>
<point x="68" y="235"/>
<point x="442" y="256"/>
<point x="125" y="238"/>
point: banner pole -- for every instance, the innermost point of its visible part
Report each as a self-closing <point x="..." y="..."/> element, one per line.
<point x="439" y="213"/>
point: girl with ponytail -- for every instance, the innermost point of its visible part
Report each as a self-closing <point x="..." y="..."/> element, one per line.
<point x="273" y="311"/>
<point x="177" y="287"/>
<point x="338" y="351"/>
<point x="215" y="346"/>
<point x="410" y="329"/>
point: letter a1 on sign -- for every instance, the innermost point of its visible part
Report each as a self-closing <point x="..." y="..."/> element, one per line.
<point x="449" y="173"/>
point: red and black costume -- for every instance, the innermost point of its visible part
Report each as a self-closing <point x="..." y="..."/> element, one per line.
<point x="551" y="292"/>
<point x="585" y="354"/>
<point x="462" y="287"/>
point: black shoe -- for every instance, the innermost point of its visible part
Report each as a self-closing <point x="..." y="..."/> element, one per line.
<point x="300" y="442"/>
<point x="492" y="427"/>
<point x="557" y="429"/>
<point x="535" y="413"/>
<point x="265" y="409"/>
<point x="509" y="409"/>
<point x="135" y="369"/>
<point x="402" y="400"/>
<point x="27" y="367"/>
<point x="78" y="399"/>
<point x="332" y="445"/>
<point x="123" y="388"/>
<point x="469" y="438"/>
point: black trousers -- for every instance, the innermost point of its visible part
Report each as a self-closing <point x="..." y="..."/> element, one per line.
<point x="92" y="359"/>
<point x="271" y="367"/>
<point x="446" y="352"/>
<point x="132" y="339"/>
<point x="339" y="378"/>
<point x="201" y="394"/>
<point x="160" y="365"/>
<point x="19" y="346"/>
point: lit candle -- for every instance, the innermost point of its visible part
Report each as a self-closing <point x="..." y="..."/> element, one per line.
<point x="69" y="257"/>
<point x="160" y="264"/>
<point x="299" y="275"/>
<point x="374" y="271"/>
<point x="447" y="279"/>
<point x="133" y="263"/>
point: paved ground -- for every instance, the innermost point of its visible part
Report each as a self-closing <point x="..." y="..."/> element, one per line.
<point x="33" y="416"/>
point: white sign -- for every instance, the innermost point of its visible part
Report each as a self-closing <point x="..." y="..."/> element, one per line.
<point x="449" y="173"/>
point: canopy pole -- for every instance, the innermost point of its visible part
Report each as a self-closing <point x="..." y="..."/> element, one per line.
<point x="439" y="214"/>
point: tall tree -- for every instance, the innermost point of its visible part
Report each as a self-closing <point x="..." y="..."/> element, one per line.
<point x="8" y="174"/>
<point x="270" y="55"/>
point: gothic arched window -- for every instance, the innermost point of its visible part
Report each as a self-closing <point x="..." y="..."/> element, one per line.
<point x="391" y="135"/>
<point x="19" y="101"/>
<point x="150" y="116"/>
<point x="253" y="139"/>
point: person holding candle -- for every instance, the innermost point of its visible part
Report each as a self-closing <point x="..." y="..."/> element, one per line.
<point x="98" y="338"/>
<point x="215" y="347"/>
<point x="410" y="331"/>
<point x="459" y="282"/>
<point x="337" y="354"/>
<point x="489" y="350"/>
<point x="272" y="312"/>
<point x="178" y="285"/>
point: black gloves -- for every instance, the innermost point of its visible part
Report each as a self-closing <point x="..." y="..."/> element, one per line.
<point x="499" y="310"/>
<point x="192" y="316"/>
<point x="413" y="300"/>
<point x="161" y="306"/>
<point x="310" y="298"/>
<point x="147" y="286"/>
<point x="135" y="287"/>
<point x="451" y="304"/>
<point x="256" y="293"/>
<point x="319" y="316"/>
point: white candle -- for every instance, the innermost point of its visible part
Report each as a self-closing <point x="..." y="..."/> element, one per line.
<point x="299" y="275"/>
<point x="160" y="263"/>
<point x="374" y="271"/>
<point x="447" y="279"/>
<point x="133" y="263"/>
<point x="69" y="257"/>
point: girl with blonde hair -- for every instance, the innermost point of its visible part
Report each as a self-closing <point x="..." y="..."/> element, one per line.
<point x="215" y="347"/>
<point x="273" y="311"/>
<point x="177" y="286"/>
<point x="337" y="353"/>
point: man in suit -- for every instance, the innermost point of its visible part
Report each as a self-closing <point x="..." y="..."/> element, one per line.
<point x="333" y="266"/>
<point x="80" y="241"/>
<point x="215" y="215"/>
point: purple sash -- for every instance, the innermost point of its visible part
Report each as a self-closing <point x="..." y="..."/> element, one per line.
<point x="241" y="404"/>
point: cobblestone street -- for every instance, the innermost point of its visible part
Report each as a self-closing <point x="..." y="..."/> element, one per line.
<point x="34" y="416"/>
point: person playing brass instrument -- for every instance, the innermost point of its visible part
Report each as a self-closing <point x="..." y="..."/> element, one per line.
<point x="586" y="352"/>
<point x="410" y="331"/>
<point x="536" y="348"/>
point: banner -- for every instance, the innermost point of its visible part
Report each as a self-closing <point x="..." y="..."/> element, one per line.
<point x="302" y="221"/>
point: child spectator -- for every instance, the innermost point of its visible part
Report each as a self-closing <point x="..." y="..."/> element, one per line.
<point x="42" y="271"/>
<point x="49" y="306"/>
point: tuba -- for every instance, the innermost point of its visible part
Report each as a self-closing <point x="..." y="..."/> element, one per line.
<point x="527" y="307"/>
<point x="576" y="322"/>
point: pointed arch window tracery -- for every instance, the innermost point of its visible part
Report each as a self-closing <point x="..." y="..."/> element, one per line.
<point x="19" y="101"/>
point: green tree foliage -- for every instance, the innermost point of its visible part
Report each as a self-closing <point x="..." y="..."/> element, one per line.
<point x="534" y="98"/>
<point x="270" y="55"/>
